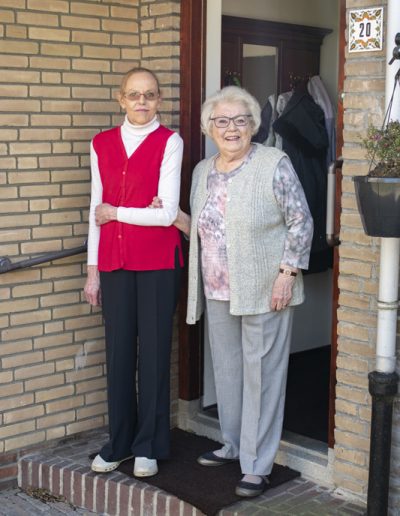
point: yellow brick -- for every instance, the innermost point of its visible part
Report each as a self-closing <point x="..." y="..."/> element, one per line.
<point x="20" y="305"/>
<point x="365" y="413"/>
<point x="92" y="410"/>
<point x="71" y="311"/>
<point x="351" y="470"/>
<point x="15" y="32"/>
<point x="64" y="271"/>
<point x="49" y="5"/>
<point x="8" y="193"/>
<point x="168" y="22"/>
<point x="95" y="397"/>
<point x="61" y="218"/>
<point x="354" y="301"/>
<point x="65" y="365"/>
<point x="23" y="414"/>
<point x="19" y="428"/>
<point x="64" y="404"/>
<point x="11" y="389"/>
<point x="60" y="417"/>
<point x="7" y="163"/>
<point x="83" y="426"/>
<point x="131" y="40"/>
<point x="29" y="18"/>
<point x="45" y="382"/>
<point x="104" y="52"/>
<point x="40" y="134"/>
<point x="119" y="26"/>
<point x="48" y="34"/>
<point x="58" y="161"/>
<point x="354" y="332"/>
<point x="92" y="120"/>
<point x="29" y="317"/>
<point x="76" y="189"/>
<point x="62" y="352"/>
<point x="55" y="433"/>
<point x="352" y="456"/>
<point x="99" y="107"/>
<point x="79" y="201"/>
<point x="57" y="49"/>
<point x="13" y="90"/>
<point x="352" y="379"/>
<point x="19" y="277"/>
<point x="124" y="13"/>
<point x="5" y="377"/>
<point x="77" y="22"/>
<point x="53" y="327"/>
<point x="94" y="65"/>
<point x="84" y="374"/>
<point x="47" y="92"/>
<point x="52" y="340"/>
<point x="39" y="205"/>
<point x="32" y="289"/>
<point x="51" y="232"/>
<point x="23" y="441"/>
<point x="7" y="16"/>
<point x="351" y="424"/>
<point x="353" y="348"/>
<point x="358" y="269"/>
<point x="13" y="120"/>
<point x="78" y="134"/>
<point x="55" y="393"/>
<point x="50" y="63"/>
<point x="71" y="284"/>
<point x="41" y="246"/>
<point x="13" y="206"/>
<point x="51" y="77"/>
<point x="51" y="120"/>
<point x="30" y="148"/>
<point x="61" y="148"/>
<point x="89" y="334"/>
<point x="93" y="10"/>
<point x="29" y="162"/>
<point x="25" y="106"/>
<point x="22" y="333"/>
<point x="346" y="407"/>
<point x="18" y="47"/>
<point x="15" y="401"/>
<point x="94" y="386"/>
<point x="102" y="38"/>
<point x="24" y="373"/>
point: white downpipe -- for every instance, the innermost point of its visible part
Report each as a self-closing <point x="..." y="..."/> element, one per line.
<point x="387" y="305"/>
<point x="390" y="247"/>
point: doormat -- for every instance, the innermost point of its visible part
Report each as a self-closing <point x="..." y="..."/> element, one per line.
<point x="210" y="489"/>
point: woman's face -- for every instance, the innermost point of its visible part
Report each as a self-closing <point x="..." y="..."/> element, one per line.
<point x="232" y="139"/>
<point x="140" y="98"/>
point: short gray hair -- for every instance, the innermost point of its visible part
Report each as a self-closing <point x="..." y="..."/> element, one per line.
<point x="230" y="94"/>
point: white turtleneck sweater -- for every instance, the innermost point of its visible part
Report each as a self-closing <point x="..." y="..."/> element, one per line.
<point x="168" y="185"/>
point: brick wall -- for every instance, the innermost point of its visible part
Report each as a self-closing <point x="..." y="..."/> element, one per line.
<point x="364" y="103"/>
<point x="61" y="63"/>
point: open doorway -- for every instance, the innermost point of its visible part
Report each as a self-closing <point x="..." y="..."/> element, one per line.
<point x="312" y="349"/>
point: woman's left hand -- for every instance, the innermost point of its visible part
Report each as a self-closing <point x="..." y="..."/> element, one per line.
<point x="105" y="213"/>
<point x="282" y="292"/>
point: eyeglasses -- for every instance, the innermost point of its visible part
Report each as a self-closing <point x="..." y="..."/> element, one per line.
<point x="148" y="95"/>
<point x="222" y="122"/>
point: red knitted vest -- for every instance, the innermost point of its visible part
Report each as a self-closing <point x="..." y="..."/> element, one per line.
<point x="133" y="182"/>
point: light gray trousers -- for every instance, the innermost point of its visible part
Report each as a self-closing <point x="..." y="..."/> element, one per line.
<point x="250" y="357"/>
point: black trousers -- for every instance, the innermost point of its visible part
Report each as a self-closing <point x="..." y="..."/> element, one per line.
<point x="138" y="308"/>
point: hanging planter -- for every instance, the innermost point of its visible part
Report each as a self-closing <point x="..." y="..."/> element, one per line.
<point x="378" y="201"/>
<point x="378" y="193"/>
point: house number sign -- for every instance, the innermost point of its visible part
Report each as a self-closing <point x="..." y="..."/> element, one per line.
<point x="365" y="30"/>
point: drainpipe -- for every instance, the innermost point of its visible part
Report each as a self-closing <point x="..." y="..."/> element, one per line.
<point x="384" y="380"/>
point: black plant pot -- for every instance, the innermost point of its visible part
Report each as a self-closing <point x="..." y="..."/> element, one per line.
<point x="378" y="200"/>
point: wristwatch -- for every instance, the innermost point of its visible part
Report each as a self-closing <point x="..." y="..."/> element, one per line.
<point x="287" y="272"/>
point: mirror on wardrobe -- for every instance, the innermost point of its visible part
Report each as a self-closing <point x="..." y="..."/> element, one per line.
<point x="259" y="70"/>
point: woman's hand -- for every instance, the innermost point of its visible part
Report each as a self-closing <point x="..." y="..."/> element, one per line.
<point x="156" y="203"/>
<point x="282" y="292"/>
<point x="105" y="213"/>
<point x="92" y="286"/>
<point x="182" y="222"/>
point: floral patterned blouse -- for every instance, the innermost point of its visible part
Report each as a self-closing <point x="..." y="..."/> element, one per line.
<point x="290" y="197"/>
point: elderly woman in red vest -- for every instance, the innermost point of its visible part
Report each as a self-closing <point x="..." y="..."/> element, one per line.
<point x="134" y="263"/>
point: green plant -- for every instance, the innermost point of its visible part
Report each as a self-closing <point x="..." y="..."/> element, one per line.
<point x="383" y="149"/>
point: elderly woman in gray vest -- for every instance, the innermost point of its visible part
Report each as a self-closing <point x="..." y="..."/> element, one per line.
<point x="250" y="234"/>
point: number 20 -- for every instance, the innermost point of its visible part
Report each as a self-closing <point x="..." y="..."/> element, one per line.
<point x="367" y="28"/>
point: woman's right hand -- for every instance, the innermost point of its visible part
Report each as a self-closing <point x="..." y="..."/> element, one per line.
<point x="92" y="286"/>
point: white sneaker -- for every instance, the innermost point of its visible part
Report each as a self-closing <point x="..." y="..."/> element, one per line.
<point x="145" y="467"/>
<point x="101" y="466"/>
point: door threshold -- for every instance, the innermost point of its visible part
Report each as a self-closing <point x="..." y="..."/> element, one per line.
<point x="308" y="456"/>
